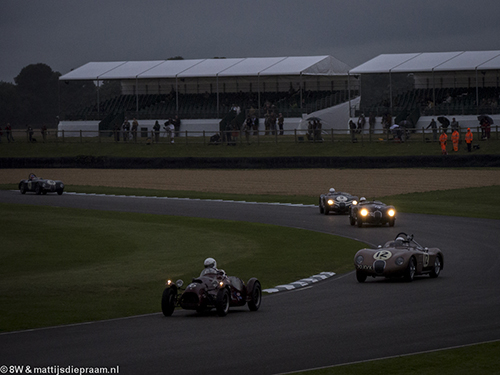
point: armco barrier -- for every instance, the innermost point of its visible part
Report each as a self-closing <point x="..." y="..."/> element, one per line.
<point x="447" y="161"/>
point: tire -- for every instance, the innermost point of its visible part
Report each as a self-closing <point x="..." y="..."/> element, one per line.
<point x="391" y="222"/>
<point x="437" y="268"/>
<point x="22" y="188"/>
<point x="321" y="208"/>
<point x="326" y="211"/>
<point x="59" y="192"/>
<point x="222" y="302"/>
<point x="168" y="301"/>
<point x="360" y="223"/>
<point x="410" y="270"/>
<point x="256" y="296"/>
<point x="38" y="190"/>
<point x="352" y="221"/>
<point x="361" y="276"/>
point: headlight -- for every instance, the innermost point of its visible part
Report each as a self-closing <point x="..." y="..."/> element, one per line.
<point x="363" y="212"/>
<point x="169" y="282"/>
<point x="221" y="284"/>
<point x="359" y="259"/>
<point x="330" y="202"/>
<point x="391" y="212"/>
<point x="400" y="261"/>
<point x="354" y="202"/>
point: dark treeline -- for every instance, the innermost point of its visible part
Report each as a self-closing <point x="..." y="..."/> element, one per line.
<point x="37" y="97"/>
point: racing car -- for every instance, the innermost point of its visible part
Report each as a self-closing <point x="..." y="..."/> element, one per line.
<point x="40" y="185"/>
<point x="372" y="212"/>
<point x="402" y="257"/>
<point x="337" y="202"/>
<point x="212" y="289"/>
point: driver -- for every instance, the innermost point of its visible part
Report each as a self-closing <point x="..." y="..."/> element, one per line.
<point x="362" y="200"/>
<point x="210" y="265"/>
<point x="331" y="191"/>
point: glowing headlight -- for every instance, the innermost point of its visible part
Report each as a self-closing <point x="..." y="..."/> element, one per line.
<point x="169" y="282"/>
<point x="359" y="259"/>
<point x="391" y="212"/>
<point x="221" y="284"/>
<point x="399" y="261"/>
<point x="354" y="202"/>
<point x="363" y="212"/>
<point x="330" y="201"/>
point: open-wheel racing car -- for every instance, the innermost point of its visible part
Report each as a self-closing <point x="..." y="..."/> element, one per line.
<point x="212" y="289"/>
<point x="336" y="202"/>
<point x="402" y="257"/>
<point x="41" y="185"/>
<point x="372" y="212"/>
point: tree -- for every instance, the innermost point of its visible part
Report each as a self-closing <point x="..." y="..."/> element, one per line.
<point x="37" y="86"/>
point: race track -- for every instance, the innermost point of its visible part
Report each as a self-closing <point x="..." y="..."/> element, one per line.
<point x="332" y="322"/>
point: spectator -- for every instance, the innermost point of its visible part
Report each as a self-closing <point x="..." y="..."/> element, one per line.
<point x="170" y="129"/>
<point x="247" y="128"/>
<point x="352" y="127"/>
<point x="30" y="133"/>
<point x="281" y="121"/>
<point x="454" y="125"/>
<point x="442" y="140"/>
<point x="44" y="133"/>
<point x="177" y="125"/>
<point x="8" y="131"/>
<point x="371" y="122"/>
<point x="468" y="139"/>
<point x="255" y="124"/>
<point x="135" y="125"/>
<point x="361" y="123"/>
<point x="117" y="132"/>
<point x="126" y="129"/>
<point x="433" y="126"/>
<point x="156" y="129"/>
<point x="455" y="137"/>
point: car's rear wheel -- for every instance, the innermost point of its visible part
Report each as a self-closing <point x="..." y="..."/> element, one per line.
<point x="168" y="301"/>
<point x="255" y="296"/>
<point x="60" y="191"/>
<point x="410" y="270"/>
<point x="436" y="270"/>
<point x="361" y="276"/>
<point x="222" y="303"/>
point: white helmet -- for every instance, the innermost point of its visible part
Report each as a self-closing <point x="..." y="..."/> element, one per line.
<point x="210" y="263"/>
<point x="362" y="199"/>
<point x="332" y="190"/>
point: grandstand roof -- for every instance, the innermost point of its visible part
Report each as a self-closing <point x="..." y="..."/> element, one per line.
<point x="430" y="61"/>
<point x="252" y="66"/>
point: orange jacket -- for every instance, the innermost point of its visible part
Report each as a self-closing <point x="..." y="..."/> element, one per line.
<point x="443" y="138"/>
<point x="468" y="136"/>
<point x="455" y="137"/>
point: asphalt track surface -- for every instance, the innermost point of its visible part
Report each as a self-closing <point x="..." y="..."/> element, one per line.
<point x="332" y="322"/>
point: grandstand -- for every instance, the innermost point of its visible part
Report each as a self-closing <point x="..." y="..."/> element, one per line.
<point x="206" y="89"/>
<point x="465" y="84"/>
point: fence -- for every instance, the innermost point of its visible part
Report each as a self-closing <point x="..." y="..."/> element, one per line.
<point x="236" y="137"/>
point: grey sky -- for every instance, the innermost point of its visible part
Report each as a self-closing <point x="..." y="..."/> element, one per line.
<point x="66" y="34"/>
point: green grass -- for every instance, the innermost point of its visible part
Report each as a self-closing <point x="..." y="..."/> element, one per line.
<point x="81" y="265"/>
<point x="481" y="359"/>
<point x="267" y="147"/>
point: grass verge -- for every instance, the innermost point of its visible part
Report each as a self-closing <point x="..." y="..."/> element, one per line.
<point x="83" y="265"/>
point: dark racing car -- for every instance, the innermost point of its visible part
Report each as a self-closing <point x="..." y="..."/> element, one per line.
<point x="40" y="185"/>
<point x="336" y="202"/>
<point x="402" y="257"/>
<point x="212" y="289"/>
<point x="372" y="212"/>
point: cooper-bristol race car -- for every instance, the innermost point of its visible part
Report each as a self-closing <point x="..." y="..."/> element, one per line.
<point x="372" y="212"/>
<point x="41" y="185"/>
<point x="212" y="289"/>
<point x="337" y="202"/>
<point x="402" y="257"/>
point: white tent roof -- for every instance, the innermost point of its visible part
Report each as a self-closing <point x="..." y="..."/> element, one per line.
<point x="431" y="61"/>
<point x="253" y="66"/>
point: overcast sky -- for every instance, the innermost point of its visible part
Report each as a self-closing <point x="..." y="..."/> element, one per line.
<point x="66" y="34"/>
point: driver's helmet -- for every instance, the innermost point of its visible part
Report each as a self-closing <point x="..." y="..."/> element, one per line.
<point x="362" y="199"/>
<point x="32" y="176"/>
<point x="400" y="238"/>
<point x="331" y="191"/>
<point x="210" y="263"/>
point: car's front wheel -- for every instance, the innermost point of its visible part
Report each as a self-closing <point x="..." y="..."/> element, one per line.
<point x="22" y="188"/>
<point x="436" y="270"/>
<point x="222" y="302"/>
<point x="168" y="301"/>
<point x="361" y="276"/>
<point x="410" y="270"/>
<point x="38" y="189"/>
